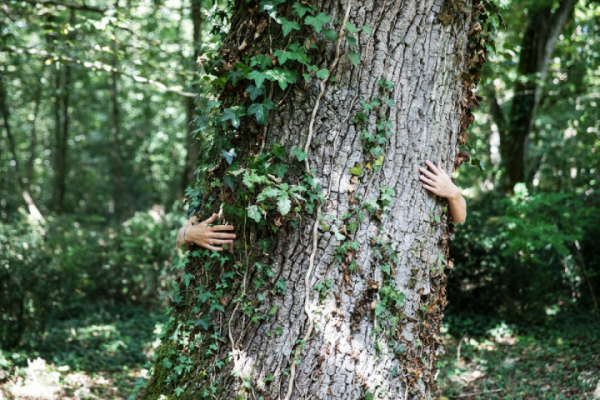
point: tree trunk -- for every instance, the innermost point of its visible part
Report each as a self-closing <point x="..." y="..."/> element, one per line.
<point x="343" y="300"/>
<point x="23" y="185"/>
<point x="192" y="144"/>
<point x="62" y="128"/>
<point x="537" y="46"/>
<point x="115" y="127"/>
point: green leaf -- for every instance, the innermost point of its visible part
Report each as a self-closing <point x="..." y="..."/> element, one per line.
<point x="477" y="162"/>
<point x="278" y="151"/>
<point x="261" y="110"/>
<point x="282" y="76"/>
<point x="284" y="205"/>
<point x="379" y="308"/>
<point x="288" y="25"/>
<point x="330" y="34"/>
<point x="317" y="21"/>
<point x="267" y="192"/>
<point x="351" y="28"/>
<point x="366" y="29"/>
<point x="323" y="73"/>
<point x="258" y="76"/>
<point x="354" y="57"/>
<point x="254" y="91"/>
<point x="356" y="170"/>
<point x="351" y="41"/>
<point x="233" y="114"/>
<point x="186" y="279"/>
<point x="254" y="213"/>
<point x="300" y="9"/>
<point x="228" y="155"/>
<point x="299" y="154"/>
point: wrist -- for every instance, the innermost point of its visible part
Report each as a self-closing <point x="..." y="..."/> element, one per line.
<point x="455" y="196"/>
<point x="185" y="232"/>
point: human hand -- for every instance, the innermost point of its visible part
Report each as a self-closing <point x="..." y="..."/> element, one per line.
<point x="209" y="237"/>
<point x="438" y="182"/>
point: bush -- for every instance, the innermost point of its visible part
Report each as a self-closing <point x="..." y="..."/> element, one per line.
<point x="56" y="271"/>
<point x="526" y="257"/>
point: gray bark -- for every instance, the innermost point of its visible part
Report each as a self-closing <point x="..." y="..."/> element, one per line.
<point x="424" y="58"/>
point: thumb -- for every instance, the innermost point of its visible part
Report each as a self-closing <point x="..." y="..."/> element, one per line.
<point x="211" y="219"/>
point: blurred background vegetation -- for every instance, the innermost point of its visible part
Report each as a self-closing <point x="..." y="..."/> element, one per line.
<point x="97" y="135"/>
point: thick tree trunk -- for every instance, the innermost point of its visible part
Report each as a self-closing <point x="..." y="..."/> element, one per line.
<point x="327" y="278"/>
<point x="537" y="46"/>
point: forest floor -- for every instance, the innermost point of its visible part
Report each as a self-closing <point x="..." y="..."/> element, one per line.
<point x="103" y="355"/>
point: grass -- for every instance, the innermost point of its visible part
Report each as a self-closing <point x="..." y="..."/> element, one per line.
<point x="99" y="356"/>
<point x="102" y="355"/>
<point x="558" y="362"/>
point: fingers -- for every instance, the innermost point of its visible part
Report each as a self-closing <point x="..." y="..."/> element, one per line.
<point x="433" y="167"/>
<point x="428" y="173"/>
<point x="430" y="188"/>
<point x="218" y="235"/>
<point x="210" y="220"/>
<point x="220" y="242"/>
<point x="222" y="228"/>
<point x="427" y="181"/>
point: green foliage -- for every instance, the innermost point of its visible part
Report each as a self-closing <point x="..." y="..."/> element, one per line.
<point x="529" y="256"/>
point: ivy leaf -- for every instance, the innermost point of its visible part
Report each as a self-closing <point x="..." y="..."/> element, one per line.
<point x="379" y="308"/>
<point x="354" y="57"/>
<point x="356" y="170"/>
<point x="366" y="29"/>
<point x="351" y="28"/>
<point x="229" y="155"/>
<point x="254" y="91"/>
<point x="270" y="6"/>
<point x="477" y="162"/>
<point x="282" y="76"/>
<point x="279" y="170"/>
<point x="284" y="205"/>
<point x="283" y="56"/>
<point x="258" y="76"/>
<point x="233" y="114"/>
<point x="254" y="213"/>
<point x="299" y="154"/>
<point x="261" y="110"/>
<point x="288" y="25"/>
<point x="330" y="34"/>
<point x="351" y="41"/>
<point x="317" y="21"/>
<point x="267" y="192"/>
<point x="278" y="151"/>
<point x="186" y="279"/>
<point x="301" y="9"/>
<point x="323" y="73"/>
<point x="262" y="61"/>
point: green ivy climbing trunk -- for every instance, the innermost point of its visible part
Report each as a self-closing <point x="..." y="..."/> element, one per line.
<point x="325" y="191"/>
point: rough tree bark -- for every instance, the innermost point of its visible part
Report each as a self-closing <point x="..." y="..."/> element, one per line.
<point x="546" y="23"/>
<point x="354" y="351"/>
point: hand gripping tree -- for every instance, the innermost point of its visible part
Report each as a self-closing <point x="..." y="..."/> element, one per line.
<point x="335" y="286"/>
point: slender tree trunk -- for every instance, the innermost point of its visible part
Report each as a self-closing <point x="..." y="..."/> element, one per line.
<point x="114" y="130"/>
<point x="192" y="144"/>
<point x="538" y="44"/>
<point x="23" y="185"/>
<point x="303" y="307"/>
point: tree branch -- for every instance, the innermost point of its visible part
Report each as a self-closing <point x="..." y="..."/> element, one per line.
<point x="97" y="65"/>
<point x="81" y="7"/>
